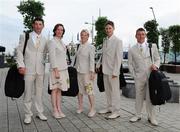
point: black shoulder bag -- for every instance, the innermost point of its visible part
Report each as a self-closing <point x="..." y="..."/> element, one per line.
<point x="14" y="83"/>
<point x="159" y="88"/>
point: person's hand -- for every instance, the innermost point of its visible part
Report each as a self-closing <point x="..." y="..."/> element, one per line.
<point x="113" y="76"/>
<point x="92" y="75"/>
<point x="97" y="70"/>
<point x="22" y="70"/>
<point x="56" y="73"/>
<point x="154" y="67"/>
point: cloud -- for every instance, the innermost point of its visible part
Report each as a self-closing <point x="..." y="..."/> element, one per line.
<point x="10" y="28"/>
<point x="128" y="16"/>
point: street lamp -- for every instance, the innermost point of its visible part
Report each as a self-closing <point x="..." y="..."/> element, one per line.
<point x="153" y="13"/>
<point x="92" y="24"/>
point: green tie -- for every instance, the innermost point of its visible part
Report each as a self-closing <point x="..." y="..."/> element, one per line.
<point x="141" y="49"/>
<point x="37" y="42"/>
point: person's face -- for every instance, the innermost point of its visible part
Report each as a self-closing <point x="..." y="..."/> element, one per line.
<point x="109" y="30"/>
<point x="59" y="32"/>
<point x="84" y="37"/>
<point x="140" y="36"/>
<point x="38" y="26"/>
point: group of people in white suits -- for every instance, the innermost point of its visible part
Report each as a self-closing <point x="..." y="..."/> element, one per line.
<point x="31" y="65"/>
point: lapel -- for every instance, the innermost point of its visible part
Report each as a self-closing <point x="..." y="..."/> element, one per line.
<point x="138" y="51"/>
<point x="108" y="45"/>
<point x="31" y="43"/>
<point x="146" y="53"/>
<point x="83" y="48"/>
<point x="60" y="45"/>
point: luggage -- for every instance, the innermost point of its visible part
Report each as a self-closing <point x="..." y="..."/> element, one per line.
<point x="159" y="88"/>
<point x="14" y="83"/>
<point x="74" y="89"/>
<point x="100" y="82"/>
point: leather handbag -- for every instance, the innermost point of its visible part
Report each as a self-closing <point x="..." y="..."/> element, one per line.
<point x="100" y="80"/>
<point x="74" y="89"/>
<point x="14" y="83"/>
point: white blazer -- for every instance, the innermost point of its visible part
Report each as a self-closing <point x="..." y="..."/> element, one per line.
<point x="112" y="55"/>
<point x="57" y="54"/>
<point x="85" y="58"/>
<point x="139" y="64"/>
<point x="34" y="58"/>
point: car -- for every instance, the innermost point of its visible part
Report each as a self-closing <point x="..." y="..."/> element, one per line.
<point x="124" y="63"/>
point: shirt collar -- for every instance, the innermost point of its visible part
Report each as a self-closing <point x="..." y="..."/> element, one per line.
<point x="35" y="34"/>
<point x="142" y="45"/>
<point x="84" y="44"/>
<point x="110" y="37"/>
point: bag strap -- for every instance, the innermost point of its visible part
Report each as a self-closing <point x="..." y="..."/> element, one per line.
<point x="76" y="56"/>
<point x="25" y="42"/>
<point x="150" y="51"/>
<point x="68" y="54"/>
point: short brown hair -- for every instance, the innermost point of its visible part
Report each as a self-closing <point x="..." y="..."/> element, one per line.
<point x="38" y="19"/>
<point x="140" y="30"/>
<point x="109" y="23"/>
<point x="55" y="28"/>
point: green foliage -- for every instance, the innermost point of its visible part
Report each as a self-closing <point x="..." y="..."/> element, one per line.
<point x="10" y="60"/>
<point x="152" y="31"/>
<point x="30" y="9"/>
<point x="165" y="41"/>
<point x="100" y="28"/>
<point x="174" y="34"/>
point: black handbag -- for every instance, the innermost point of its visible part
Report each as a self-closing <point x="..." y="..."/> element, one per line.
<point x="159" y="88"/>
<point x="100" y="81"/>
<point x="14" y="83"/>
<point x="74" y="89"/>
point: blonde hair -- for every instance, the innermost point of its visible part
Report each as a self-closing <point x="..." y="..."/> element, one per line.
<point x="85" y="30"/>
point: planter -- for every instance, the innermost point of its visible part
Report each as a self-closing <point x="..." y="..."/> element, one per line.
<point x="170" y="68"/>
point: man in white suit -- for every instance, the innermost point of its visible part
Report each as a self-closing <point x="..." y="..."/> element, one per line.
<point x="111" y="62"/>
<point x="31" y="65"/>
<point x="140" y="66"/>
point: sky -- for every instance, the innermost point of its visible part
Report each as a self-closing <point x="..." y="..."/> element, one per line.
<point x="128" y="15"/>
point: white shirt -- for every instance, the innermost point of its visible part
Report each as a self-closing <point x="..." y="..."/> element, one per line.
<point x="144" y="47"/>
<point x="35" y="36"/>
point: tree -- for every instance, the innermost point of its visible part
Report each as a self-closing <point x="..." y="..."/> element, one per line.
<point x="165" y="41"/>
<point x="152" y="32"/>
<point x="101" y="34"/>
<point x="174" y="33"/>
<point x="30" y="9"/>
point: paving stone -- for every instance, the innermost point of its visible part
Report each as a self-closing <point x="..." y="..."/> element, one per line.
<point x="12" y="115"/>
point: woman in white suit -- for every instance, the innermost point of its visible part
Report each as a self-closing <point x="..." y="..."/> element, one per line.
<point x="59" y="78"/>
<point x="85" y="68"/>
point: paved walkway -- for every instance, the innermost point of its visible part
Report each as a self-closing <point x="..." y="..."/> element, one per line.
<point x="12" y="115"/>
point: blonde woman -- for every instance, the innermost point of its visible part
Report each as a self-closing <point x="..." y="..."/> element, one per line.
<point x="59" y="78"/>
<point x="85" y="69"/>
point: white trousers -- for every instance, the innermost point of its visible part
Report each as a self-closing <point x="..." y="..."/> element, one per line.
<point x="112" y="91"/>
<point x="142" y="92"/>
<point x="33" y="85"/>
